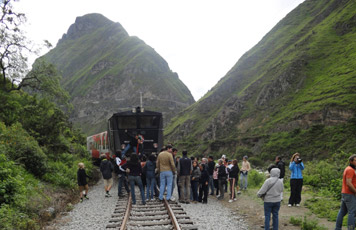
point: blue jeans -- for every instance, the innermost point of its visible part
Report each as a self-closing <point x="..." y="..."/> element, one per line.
<point x="195" y="185"/>
<point x="133" y="180"/>
<point x="211" y="184"/>
<point x="166" y="178"/>
<point x="243" y="181"/>
<point x="126" y="149"/>
<point x="122" y="179"/>
<point x="348" y="205"/>
<point x="271" y="207"/>
<point x="151" y="181"/>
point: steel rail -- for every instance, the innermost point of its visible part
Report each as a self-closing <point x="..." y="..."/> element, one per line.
<point x="127" y="214"/>
<point x="171" y="214"/>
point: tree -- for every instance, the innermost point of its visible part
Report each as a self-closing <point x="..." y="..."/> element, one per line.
<point x="13" y="46"/>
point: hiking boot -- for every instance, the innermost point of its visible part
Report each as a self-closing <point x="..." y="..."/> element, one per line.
<point x="81" y="200"/>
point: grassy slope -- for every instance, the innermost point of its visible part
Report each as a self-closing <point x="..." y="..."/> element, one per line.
<point x="310" y="35"/>
<point x="111" y="43"/>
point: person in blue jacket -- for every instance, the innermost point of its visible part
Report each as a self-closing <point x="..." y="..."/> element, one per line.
<point x="296" y="167"/>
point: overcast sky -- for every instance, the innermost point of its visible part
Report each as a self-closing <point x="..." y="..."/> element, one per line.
<point x="200" y="39"/>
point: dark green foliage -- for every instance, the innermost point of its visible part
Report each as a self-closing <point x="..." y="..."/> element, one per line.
<point x="23" y="149"/>
<point x="306" y="224"/>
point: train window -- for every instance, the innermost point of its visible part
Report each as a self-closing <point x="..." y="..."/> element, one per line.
<point x="149" y="122"/>
<point x="126" y="122"/>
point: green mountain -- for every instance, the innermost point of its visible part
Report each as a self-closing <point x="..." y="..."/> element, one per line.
<point x="293" y="91"/>
<point x="104" y="70"/>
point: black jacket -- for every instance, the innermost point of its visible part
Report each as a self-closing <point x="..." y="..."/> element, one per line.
<point x="222" y="172"/>
<point x="184" y="166"/>
<point x="234" y="172"/>
<point x="82" y="177"/>
<point x="210" y="168"/>
<point x="106" y="169"/>
<point x="282" y="167"/>
<point x="204" y="177"/>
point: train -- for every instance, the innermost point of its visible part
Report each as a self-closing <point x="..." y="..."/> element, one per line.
<point x="120" y="129"/>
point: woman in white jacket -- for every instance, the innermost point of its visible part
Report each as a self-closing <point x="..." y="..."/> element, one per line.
<point x="272" y="189"/>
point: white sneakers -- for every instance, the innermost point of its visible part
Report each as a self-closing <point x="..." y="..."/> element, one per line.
<point x="289" y="205"/>
<point x="230" y="201"/>
<point x="172" y="198"/>
<point x="298" y="205"/>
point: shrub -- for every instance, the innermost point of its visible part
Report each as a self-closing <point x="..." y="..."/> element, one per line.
<point x="63" y="172"/>
<point x="306" y="224"/>
<point x="255" y="178"/>
<point x="23" y="148"/>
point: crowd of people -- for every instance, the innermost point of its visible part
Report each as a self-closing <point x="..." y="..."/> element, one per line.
<point x="194" y="179"/>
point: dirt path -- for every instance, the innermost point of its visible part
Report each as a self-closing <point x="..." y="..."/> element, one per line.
<point x="251" y="208"/>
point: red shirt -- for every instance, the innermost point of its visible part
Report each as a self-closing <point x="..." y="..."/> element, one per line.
<point x="349" y="173"/>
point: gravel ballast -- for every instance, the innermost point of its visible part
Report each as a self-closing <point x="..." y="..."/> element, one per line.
<point x="96" y="212"/>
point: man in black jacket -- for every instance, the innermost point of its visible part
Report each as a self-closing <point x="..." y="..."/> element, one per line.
<point x="211" y="166"/>
<point x="281" y="165"/>
<point x="184" y="170"/>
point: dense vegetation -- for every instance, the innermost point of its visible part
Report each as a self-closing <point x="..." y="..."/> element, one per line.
<point x="39" y="152"/>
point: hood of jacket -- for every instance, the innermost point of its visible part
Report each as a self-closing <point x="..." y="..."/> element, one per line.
<point x="275" y="172"/>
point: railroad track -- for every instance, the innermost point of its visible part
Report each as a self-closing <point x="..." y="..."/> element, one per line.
<point x="154" y="215"/>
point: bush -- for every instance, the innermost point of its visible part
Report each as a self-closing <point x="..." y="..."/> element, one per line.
<point x="63" y="172"/>
<point x="23" y="149"/>
<point x="11" y="218"/>
<point x="306" y="224"/>
<point x="255" y="178"/>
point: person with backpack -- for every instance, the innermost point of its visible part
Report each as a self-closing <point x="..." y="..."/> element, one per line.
<point x="121" y="173"/>
<point x="149" y="169"/>
<point x="233" y="179"/>
<point x="222" y="177"/>
<point x="106" y="169"/>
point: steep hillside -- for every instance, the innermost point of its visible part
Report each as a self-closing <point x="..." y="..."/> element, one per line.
<point x="293" y="91"/>
<point x="104" y="69"/>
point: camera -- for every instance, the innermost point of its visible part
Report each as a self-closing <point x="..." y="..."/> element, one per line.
<point x="299" y="160"/>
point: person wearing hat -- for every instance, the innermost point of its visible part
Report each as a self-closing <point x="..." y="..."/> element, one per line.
<point x="245" y="168"/>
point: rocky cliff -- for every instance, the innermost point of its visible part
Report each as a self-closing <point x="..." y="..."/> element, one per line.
<point x="104" y="69"/>
<point x="294" y="91"/>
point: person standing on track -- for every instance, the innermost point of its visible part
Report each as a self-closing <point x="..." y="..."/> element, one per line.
<point x="121" y="173"/>
<point x="106" y="169"/>
<point x="150" y="168"/>
<point x="166" y="168"/>
<point x="348" y="196"/>
<point x="134" y="171"/>
<point x="184" y="170"/>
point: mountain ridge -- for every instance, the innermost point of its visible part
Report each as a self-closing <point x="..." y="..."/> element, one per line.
<point x="104" y="70"/>
<point x="279" y="85"/>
